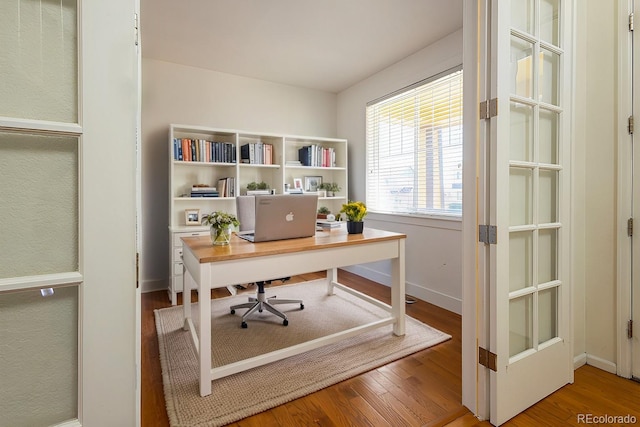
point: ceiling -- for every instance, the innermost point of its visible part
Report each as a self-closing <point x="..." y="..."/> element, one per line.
<point x="327" y="45"/>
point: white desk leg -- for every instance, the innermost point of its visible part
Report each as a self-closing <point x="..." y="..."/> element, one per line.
<point x="187" y="285"/>
<point x="204" y="351"/>
<point x="332" y="277"/>
<point x="398" y="290"/>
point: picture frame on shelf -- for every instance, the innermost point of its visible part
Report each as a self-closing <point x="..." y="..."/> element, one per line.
<point x="192" y="217"/>
<point x="312" y="183"/>
<point x="297" y="183"/>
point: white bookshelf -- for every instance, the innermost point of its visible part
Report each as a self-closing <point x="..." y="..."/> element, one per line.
<point x="284" y="150"/>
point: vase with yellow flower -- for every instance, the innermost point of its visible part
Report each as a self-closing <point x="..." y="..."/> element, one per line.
<point x="355" y="213"/>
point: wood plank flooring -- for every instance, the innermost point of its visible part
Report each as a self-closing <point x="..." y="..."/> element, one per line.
<point x="423" y="389"/>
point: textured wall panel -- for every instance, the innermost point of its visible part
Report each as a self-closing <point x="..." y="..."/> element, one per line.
<point x="39" y="212"/>
<point x="38" y="357"/>
<point x="38" y="60"/>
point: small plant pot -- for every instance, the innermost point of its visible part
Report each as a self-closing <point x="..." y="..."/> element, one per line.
<point x="355" y="227"/>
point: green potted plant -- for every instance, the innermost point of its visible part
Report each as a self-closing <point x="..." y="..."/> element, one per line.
<point x="331" y="188"/>
<point x="257" y="188"/>
<point x="355" y="213"/>
<point x="323" y="212"/>
<point x="220" y="224"/>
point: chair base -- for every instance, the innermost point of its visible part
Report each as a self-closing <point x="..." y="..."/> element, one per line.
<point x="263" y="303"/>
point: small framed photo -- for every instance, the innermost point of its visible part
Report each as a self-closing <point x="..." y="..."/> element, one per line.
<point x="312" y="183"/>
<point x="297" y="183"/>
<point x="192" y="217"/>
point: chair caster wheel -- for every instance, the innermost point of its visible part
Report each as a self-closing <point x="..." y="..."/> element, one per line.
<point x="285" y="322"/>
<point x="233" y="312"/>
<point x="301" y="306"/>
<point x="244" y="325"/>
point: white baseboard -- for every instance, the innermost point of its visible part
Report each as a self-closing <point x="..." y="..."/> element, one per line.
<point x="579" y="360"/>
<point x="153" y="285"/>
<point x="603" y="364"/>
<point x="436" y="298"/>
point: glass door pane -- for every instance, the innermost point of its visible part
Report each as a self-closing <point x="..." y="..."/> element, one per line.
<point x="547" y="255"/>
<point x="548" y="125"/>
<point x="547" y="314"/>
<point x="39" y="184"/>
<point x="39" y="364"/>
<point x="521" y="135"/>
<point x="38" y="59"/>
<point x="520" y="324"/>
<point x="549" y="22"/>
<point x="520" y="260"/>
<point x="521" y="67"/>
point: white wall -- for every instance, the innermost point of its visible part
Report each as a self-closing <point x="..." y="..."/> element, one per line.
<point x="434" y="247"/>
<point x="579" y="193"/>
<point x="596" y="147"/>
<point x="178" y="94"/>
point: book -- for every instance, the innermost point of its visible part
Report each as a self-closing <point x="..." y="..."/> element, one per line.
<point x="328" y="224"/>
<point x="203" y="189"/>
<point x="207" y="194"/>
<point x="268" y="154"/>
<point x="244" y="154"/>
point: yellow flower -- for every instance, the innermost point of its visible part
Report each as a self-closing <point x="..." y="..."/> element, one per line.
<point x="354" y="211"/>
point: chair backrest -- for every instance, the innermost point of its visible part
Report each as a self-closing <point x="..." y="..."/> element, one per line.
<point x="246" y="209"/>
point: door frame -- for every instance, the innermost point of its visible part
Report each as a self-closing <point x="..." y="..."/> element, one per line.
<point x="624" y="188"/>
<point x="108" y="295"/>
<point x="475" y="378"/>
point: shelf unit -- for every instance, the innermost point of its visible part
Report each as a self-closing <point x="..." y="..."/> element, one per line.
<point x="279" y="173"/>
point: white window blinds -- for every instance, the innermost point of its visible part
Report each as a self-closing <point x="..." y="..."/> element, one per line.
<point x="414" y="148"/>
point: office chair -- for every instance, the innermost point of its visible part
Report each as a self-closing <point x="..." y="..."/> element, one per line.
<point x="245" y="208"/>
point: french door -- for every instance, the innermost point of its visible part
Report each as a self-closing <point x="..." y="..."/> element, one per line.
<point x="522" y="162"/>
<point x="67" y="219"/>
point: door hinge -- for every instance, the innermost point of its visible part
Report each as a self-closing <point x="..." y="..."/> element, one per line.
<point x="488" y="109"/>
<point x="488" y="234"/>
<point x="137" y="270"/>
<point x="630" y="329"/>
<point x="487" y="359"/>
<point x="631" y="22"/>
<point x="630" y="125"/>
<point x="630" y="227"/>
<point x="136" y="28"/>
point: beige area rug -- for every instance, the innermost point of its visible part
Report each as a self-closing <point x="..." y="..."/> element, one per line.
<point x="247" y="393"/>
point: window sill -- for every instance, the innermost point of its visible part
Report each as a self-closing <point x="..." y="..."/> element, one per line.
<point x="431" y="221"/>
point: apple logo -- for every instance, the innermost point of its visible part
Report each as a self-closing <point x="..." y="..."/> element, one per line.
<point x="289" y="217"/>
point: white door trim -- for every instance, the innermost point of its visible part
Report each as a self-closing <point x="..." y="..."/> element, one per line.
<point x="475" y="378"/>
<point x="624" y="190"/>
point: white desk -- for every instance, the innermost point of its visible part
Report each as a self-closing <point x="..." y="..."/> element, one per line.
<point x="208" y="267"/>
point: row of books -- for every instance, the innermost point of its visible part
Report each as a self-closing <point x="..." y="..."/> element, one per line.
<point x="256" y="153"/>
<point x="201" y="191"/>
<point x="227" y="187"/>
<point x="317" y="156"/>
<point x="201" y="150"/>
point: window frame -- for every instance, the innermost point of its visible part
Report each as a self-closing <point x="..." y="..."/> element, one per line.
<point x="442" y="214"/>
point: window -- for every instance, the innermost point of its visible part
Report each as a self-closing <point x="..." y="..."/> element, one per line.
<point x="414" y="148"/>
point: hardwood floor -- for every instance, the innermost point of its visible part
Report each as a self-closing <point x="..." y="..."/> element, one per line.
<point x="423" y="389"/>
